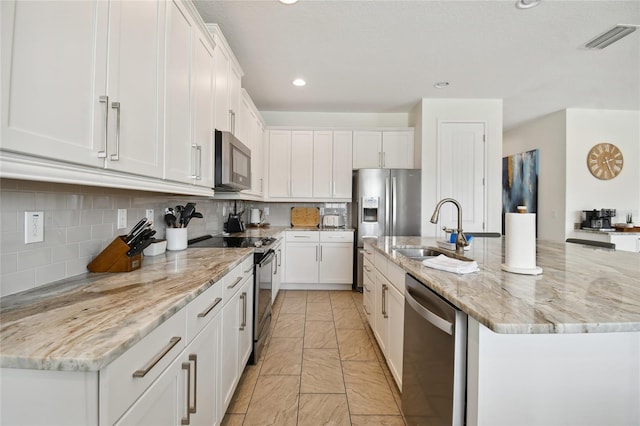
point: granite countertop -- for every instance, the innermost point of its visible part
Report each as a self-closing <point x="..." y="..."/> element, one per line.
<point x="273" y="231"/>
<point x="600" y="232"/>
<point x="583" y="289"/>
<point x="84" y="323"/>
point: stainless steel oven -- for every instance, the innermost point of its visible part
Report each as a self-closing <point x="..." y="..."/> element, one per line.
<point x="263" y="261"/>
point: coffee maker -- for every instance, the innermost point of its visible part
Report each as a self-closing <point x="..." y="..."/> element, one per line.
<point x="597" y="219"/>
<point x="234" y="223"/>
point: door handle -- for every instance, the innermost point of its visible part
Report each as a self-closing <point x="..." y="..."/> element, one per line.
<point x="156" y="359"/>
<point x="384" y="300"/>
<point x="243" y="325"/>
<point x="116" y="156"/>
<point x="187" y="420"/>
<point x="194" y="358"/>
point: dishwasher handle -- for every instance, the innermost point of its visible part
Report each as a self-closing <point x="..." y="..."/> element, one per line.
<point x="434" y="319"/>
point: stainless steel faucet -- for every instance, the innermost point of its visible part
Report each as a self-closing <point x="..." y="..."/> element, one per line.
<point x="461" y="240"/>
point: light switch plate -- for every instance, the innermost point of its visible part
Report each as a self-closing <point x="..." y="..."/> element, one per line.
<point x="33" y="227"/>
<point x="122" y="218"/>
<point x="266" y="211"/>
<point x="149" y="214"/>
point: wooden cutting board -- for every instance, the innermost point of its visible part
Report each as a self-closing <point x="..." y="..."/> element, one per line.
<point x="305" y="216"/>
<point x="625" y="229"/>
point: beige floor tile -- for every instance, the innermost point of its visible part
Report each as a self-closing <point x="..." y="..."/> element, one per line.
<point x="289" y="325"/>
<point x="377" y="421"/>
<point x="318" y="409"/>
<point x="320" y="335"/>
<point x="341" y="299"/>
<point x="233" y="420"/>
<point x="284" y="357"/>
<point x="240" y="401"/>
<point x="321" y="371"/>
<point x="295" y="294"/>
<point x="274" y="402"/>
<point x="347" y="318"/>
<point x="319" y="311"/>
<point x="367" y="389"/>
<point x="294" y="305"/>
<point x="355" y="345"/>
<point x="317" y="296"/>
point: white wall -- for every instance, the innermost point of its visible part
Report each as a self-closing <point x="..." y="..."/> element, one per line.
<point x="586" y="128"/>
<point x="463" y="110"/>
<point x="334" y="119"/>
<point x="547" y="134"/>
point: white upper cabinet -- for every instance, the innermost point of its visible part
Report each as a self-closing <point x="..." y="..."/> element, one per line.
<point x="222" y="89"/>
<point x="383" y="149"/>
<point x="279" y="163"/>
<point x="332" y="159"/>
<point x="342" y="163"/>
<point x="301" y="179"/>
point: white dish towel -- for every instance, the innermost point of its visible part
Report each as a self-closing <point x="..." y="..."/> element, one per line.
<point x="448" y="264"/>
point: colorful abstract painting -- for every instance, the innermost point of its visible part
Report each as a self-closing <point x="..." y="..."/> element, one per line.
<point x="520" y="183"/>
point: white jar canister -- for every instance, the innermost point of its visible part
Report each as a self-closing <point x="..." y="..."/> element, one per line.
<point x="176" y="238"/>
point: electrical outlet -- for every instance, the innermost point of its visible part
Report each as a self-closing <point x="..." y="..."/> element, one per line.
<point x="266" y="211"/>
<point x="224" y="211"/>
<point x="149" y="214"/>
<point x="33" y="227"/>
<point x="122" y="218"/>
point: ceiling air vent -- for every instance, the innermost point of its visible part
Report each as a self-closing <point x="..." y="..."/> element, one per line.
<point x="610" y="36"/>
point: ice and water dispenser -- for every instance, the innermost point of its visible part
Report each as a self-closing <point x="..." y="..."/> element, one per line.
<point x="370" y="209"/>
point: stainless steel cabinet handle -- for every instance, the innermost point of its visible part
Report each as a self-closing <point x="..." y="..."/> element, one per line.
<point x="194" y="358"/>
<point x="387" y="211"/>
<point x="394" y="197"/>
<point x="210" y="308"/>
<point x="384" y="300"/>
<point x="316" y="253"/>
<point x="197" y="162"/>
<point x="156" y="359"/>
<point x="279" y="257"/>
<point x="243" y="297"/>
<point x="187" y="420"/>
<point x="235" y="282"/>
<point x="105" y="100"/>
<point x="366" y="311"/>
<point x="246" y="271"/>
<point x="320" y="253"/>
<point x="116" y="156"/>
<point x="275" y="264"/>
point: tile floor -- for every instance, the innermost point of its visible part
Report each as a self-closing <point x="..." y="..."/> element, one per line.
<point x="322" y="366"/>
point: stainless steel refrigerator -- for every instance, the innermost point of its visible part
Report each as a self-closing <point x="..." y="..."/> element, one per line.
<point x="386" y="202"/>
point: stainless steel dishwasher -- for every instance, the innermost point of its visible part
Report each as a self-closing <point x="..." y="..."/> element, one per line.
<point x="435" y="358"/>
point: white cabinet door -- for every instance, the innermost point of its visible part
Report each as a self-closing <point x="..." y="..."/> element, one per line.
<point x="381" y="329"/>
<point x="134" y="128"/>
<point x="229" y="371"/>
<point x="234" y="98"/>
<point x="277" y="273"/>
<point x="245" y="337"/>
<point x="342" y="164"/>
<point x="336" y="263"/>
<point x="368" y="297"/>
<point x="395" y="309"/>
<point x="179" y="33"/>
<point x="279" y="162"/>
<point x="302" y="263"/>
<point x="626" y="242"/>
<point x="367" y="149"/>
<point x="257" y="159"/>
<point x="301" y="163"/>
<point x="203" y="101"/>
<point x="51" y="103"/>
<point x="322" y="164"/>
<point x="397" y="149"/>
<point x="221" y="63"/>
<point x="164" y="402"/>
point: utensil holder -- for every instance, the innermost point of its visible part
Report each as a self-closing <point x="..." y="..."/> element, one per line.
<point x="176" y="239"/>
<point x="114" y="258"/>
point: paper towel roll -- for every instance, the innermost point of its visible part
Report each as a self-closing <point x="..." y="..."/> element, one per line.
<point x="520" y="243"/>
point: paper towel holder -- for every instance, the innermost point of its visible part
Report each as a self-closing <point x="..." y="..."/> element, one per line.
<point x="524" y="271"/>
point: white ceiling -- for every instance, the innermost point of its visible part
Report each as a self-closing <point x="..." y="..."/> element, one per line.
<point x="384" y="56"/>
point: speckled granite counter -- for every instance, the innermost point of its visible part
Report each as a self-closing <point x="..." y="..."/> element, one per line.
<point x="84" y="323"/>
<point x="582" y="289"/>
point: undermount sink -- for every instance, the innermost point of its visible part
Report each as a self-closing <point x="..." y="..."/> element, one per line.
<point x="421" y="253"/>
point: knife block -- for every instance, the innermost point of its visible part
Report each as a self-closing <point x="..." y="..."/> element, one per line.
<point x="114" y="258"/>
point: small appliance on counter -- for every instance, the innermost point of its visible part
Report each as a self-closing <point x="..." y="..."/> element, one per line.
<point x="598" y="219"/>
<point x="333" y="221"/>
<point x="255" y="217"/>
<point x="234" y="222"/>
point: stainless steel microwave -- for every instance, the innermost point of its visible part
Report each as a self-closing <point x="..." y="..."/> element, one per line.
<point x="232" y="163"/>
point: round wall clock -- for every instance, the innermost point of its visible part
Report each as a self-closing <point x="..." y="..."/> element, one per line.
<point x="605" y="161"/>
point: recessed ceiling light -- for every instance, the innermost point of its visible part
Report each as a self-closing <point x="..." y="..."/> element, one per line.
<point x="299" y="82"/>
<point x="288" y="1"/>
<point x="527" y="4"/>
<point x="441" y="84"/>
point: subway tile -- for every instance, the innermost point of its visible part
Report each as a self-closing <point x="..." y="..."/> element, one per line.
<point x="65" y="218"/>
<point x="50" y="201"/>
<point x="79" y="202"/>
<point x="103" y="202"/>
<point x="91" y="217"/>
<point x="8" y="263"/>
<point x="78" y="233"/>
<point x="16" y="282"/>
<point x="50" y="273"/>
<point x="90" y="248"/>
<point x="34" y="186"/>
<point x="9" y="221"/>
<point x="78" y="266"/>
<point x="103" y="231"/>
<point x="18" y="201"/>
<point x="11" y="242"/>
<point x="65" y="252"/>
<point x="34" y="258"/>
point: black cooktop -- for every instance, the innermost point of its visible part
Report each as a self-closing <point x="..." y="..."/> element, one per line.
<point x="235" y="242"/>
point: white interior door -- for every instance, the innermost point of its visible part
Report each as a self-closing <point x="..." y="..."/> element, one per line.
<point x="461" y="173"/>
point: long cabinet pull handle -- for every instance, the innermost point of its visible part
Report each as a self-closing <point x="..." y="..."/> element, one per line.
<point x="243" y="297"/>
<point x="235" y="283"/>
<point x="156" y="359"/>
<point x="196" y="161"/>
<point x="279" y="257"/>
<point x="249" y="270"/>
<point x="320" y="253"/>
<point x="316" y="253"/>
<point x="210" y="308"/>
<point x="105" y="100"/>
<point x="194" y="358"/>
<point x="116" y="156"/>
<point x="187" y="420"/>
<point x="384" y="300"/>
<point x="366" y="311"/>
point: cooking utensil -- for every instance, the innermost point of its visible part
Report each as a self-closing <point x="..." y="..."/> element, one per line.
<point x="187" y="212"/>
<point x="170" y="217"/>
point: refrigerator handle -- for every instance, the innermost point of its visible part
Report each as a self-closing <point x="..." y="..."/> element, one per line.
<point x="394" y="198"/>
<point x="387" y="207"/>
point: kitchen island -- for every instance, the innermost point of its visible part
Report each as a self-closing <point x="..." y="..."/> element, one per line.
<point x="558" y="348"/>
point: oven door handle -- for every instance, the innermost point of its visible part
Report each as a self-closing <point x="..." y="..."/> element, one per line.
<point x="267" y="258"/>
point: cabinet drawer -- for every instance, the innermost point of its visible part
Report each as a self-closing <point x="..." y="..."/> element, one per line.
<point x="203" y="309"/>
<point x="336" y="237"/>
<point x="396" y="276"/>
<point x="233" y="280"/>
<point x="126" y="378"/>
<point x="369" y="253"/>
<point x="368" y="269"/>
<point x="302" y="236"/>
<point x="380" y="262"/>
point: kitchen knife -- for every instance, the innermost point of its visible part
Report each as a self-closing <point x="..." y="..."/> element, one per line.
<point x="135" y="229"/>
<point x="140" y="241"/>
<point x="136" y="237"/>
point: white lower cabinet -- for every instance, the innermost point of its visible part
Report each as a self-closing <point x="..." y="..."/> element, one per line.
<point x="318" y="259"/>
<point x="277" y="270"/>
